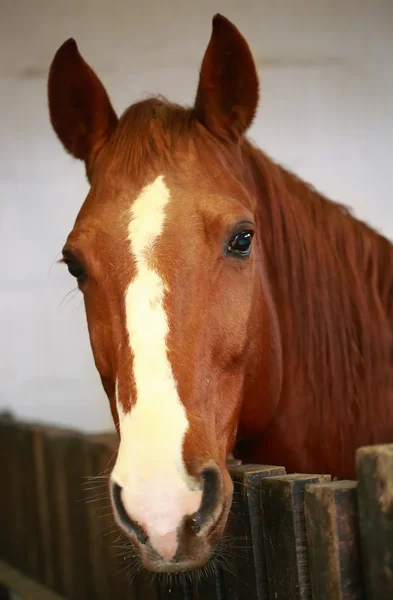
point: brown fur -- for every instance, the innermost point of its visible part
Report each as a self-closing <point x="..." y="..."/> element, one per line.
<point x="332" y="278"/>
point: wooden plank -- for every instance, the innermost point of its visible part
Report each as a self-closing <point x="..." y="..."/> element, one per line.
<point x="55" y="447"/>
<point x="245" y="576"/>
<point x="19" y="525"/>
<point x="45" y="483"/>
<point x="29" y="489"/>
<point x="27" y="532"/>
<point x="285" y="535"/>
<point x="23" y="586"/>
<point x="375" y="497"/>
<point x="77" y="466"/>
<point x="95" y="496"/>
<point x="334" y="541"/>
<point x="25" y="492"/>
<point x="6" y="477"/>
<point x="45" y="569"/>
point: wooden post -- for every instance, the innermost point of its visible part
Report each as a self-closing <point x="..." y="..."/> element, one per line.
<point x="58" y="481"/>
<point x="95" y="495"/>
<point x="245" y="577"/>
<point x="285" y="535"/>
<point x="334" y="541"/>
<point x="375" y="497"/>
<point x="45" y="574"/>
<point x="7" y="539"/>
<point x="20" y="536"/>
<point x="17" y="526"/>
<point x="35" y="550"/>
<point x="78" y="465"/>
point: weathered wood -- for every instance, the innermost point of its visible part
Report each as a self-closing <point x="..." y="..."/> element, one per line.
<point x="7" y="540"/>
<point x="333" y="541"/>
<point x="31" y="550"/>
<point x="375" y="497"/>
<point x="17" y="526"/>
<point x="34" y="566"/>
<point x="23" y="586"/>
<point x="49" y="530"/>
<point x="245" y="575"/>
<point x="95" y="496"/>
<point x="78" y="465"/>
<point x="51" y="480"/>
<point x="55" y="448"/>
<point x="23" y="498"/>
<point x="285" y="535"/>
<point x="45" y="569"/>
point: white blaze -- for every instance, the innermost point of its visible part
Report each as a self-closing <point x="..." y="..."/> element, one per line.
<point x="157" y="491"/>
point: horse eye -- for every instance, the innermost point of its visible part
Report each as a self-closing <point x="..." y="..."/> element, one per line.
<point x="75" y="270"/>
<point x="240" y="244"/>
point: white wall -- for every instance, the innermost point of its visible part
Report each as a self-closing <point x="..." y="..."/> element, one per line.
<point x="327" y="113"/>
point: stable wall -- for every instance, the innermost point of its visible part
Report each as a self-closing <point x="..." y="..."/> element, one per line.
<point x="326" y="113"/>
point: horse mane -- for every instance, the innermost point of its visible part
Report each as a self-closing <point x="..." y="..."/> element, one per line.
<point x="331" y="274"/>
<point x="333" y="282"/>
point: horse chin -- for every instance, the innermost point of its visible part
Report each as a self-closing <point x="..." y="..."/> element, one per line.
<point x="185" y="566"/>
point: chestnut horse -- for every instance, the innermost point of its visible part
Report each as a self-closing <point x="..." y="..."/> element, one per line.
<point x="230" y="306"/>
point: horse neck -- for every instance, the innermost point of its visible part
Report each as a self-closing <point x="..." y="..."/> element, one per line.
<point x="331" y="279"/>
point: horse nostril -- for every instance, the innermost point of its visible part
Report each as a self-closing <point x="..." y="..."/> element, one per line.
<point x="210" y="497"/>
<point x="123" y="518"/>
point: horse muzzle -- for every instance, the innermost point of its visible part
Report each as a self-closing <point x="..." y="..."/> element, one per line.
<point x="175" y="529"/>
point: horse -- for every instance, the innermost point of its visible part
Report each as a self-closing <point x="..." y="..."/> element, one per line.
<point x="231" y="307"/>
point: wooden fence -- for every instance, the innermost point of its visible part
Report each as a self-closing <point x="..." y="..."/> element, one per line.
<point x="289" y="537"/>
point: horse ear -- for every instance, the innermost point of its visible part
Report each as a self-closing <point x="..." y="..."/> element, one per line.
<point x="227" y="96"/>
<point x="79" y="107"/>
